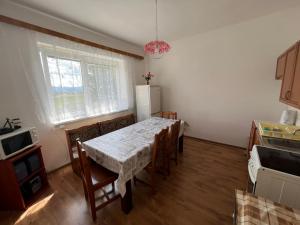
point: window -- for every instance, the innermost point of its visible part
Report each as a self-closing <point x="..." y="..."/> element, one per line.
<point x="81" y="84"/>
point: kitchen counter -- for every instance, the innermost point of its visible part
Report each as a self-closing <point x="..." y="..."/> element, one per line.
<point x="264" y="140"/>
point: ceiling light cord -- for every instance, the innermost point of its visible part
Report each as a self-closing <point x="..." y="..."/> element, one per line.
<point x="156" y="20"/>
<point x="155" y="47"/>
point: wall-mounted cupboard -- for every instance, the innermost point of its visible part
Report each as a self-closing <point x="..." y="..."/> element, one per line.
<point x="288" y="69"/>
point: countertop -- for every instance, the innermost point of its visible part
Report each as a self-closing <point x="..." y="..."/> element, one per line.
<point x="264" y="141"/>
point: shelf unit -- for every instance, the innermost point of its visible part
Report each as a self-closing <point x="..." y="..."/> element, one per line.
<point x="11" y="195"/>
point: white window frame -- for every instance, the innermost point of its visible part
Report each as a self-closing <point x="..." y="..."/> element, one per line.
<point x="47" y="51"/>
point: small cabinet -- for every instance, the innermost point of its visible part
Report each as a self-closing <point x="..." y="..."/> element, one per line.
<point x="22" y="179"/>
<point x="288" y="67"/>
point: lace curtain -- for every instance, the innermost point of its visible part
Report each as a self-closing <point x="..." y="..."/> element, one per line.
<point x="70" y="81"/>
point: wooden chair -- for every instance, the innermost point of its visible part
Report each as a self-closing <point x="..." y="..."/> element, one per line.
<point x="172" y="147"/>
<point x="91" y="131"/>
<point x="94" y="178"/>
<point x="84" y="133"/>
<point x="169" y="115"/>
<point x="157" y="158"/>
<point x="71" y="136"/>
<point x="125" y="121"/>
<point x="107" y="126"/>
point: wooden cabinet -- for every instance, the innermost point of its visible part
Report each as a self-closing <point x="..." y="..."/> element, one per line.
<point x="287" y="81"/>
<point x="289" y="62"/>
<point x="254" y="138"/>
<point x="22" y="179"/>
<point x="281" y="63"/>
<point x="295" y="93"/>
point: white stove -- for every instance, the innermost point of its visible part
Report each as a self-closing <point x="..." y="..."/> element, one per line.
<point x="275" y="174"/>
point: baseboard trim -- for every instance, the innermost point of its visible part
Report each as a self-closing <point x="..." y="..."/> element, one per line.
<point x="214" y="142"/>
<point x="55" y="170"/>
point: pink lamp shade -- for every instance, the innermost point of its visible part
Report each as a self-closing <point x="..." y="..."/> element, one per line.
<point x="157" y="47"/>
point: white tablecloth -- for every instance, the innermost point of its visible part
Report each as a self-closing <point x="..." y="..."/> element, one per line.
<point x="126" y="151"/>
<point x="181" y="131"/>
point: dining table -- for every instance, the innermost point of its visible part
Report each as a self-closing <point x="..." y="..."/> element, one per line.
<point x="126" y="151"/>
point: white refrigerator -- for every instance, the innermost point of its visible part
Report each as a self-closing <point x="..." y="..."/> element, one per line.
<point x="147" y="101"/>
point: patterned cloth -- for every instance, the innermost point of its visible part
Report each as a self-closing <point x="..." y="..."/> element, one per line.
<point x="126" y="151"/>
<point x="252" y="210"/>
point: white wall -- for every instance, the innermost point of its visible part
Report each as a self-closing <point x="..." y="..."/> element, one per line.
<point x="20" y="104"/>
<point x="298" y="117"/>
<point x="298" y="114"/>
<point x="221" y="80"/>
<point x="16" y="11"/>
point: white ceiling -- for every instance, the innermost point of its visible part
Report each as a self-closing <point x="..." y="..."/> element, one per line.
<point x="133" y="20"/>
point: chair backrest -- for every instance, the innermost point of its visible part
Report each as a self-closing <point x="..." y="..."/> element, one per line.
<point x="84" y="133"/>
<point x="107" y="126"/>
<point x="173" y="135"/>
<point x="89" y="132"/>
<point x="169" y="115"/>
<point x="71" y="136"/>
<point x="159" y="146"/>
<point x="84" y="164"/>
<point x="125" y="121"/>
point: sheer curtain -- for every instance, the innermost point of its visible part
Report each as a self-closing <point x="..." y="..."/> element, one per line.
<point x="24" y="70"/>
<point x="68" y="80"/>
<point x="84" y="81"/>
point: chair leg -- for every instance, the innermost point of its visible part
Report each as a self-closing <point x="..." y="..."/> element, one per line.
<point x="176" y="162"/>
<point x="165" y="165"/>
<point x="168" y="166"/>
<point x="113" y="186"/>
<point x="85" y="192"/>
<point x="92" y="204"/>
<point x="164" y="172"/>
<point x="153" y="182"/>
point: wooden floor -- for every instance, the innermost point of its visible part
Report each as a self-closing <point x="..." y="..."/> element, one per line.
<point x="200" y="190"/>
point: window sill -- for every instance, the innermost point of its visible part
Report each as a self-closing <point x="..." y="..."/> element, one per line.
<point x="70" y="122"/>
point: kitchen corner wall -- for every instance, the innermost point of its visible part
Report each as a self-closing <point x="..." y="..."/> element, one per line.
<point x="298" y="117"/>
<point x="220" y="81"/>
<point x="298" y="114"/>
<point x="15" y="96"/>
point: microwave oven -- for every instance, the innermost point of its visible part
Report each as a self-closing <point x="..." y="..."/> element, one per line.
<point x="17" y="141"/>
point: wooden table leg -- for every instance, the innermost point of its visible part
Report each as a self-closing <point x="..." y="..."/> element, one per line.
<point x="180" y="144"/>
<point x="126" y="201"/>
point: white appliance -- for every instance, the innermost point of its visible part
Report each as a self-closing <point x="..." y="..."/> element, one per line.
<point x="288" y="117"/>
<point x="17" y="141"/>
<point x="147" y="101"/>
<point x="275" y="175"/>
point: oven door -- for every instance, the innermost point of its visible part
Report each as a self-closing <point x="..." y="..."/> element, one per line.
<point x="252" y="171"/>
